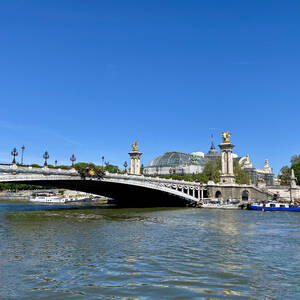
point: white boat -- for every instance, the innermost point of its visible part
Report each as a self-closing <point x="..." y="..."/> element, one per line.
<point x="216" y="203"/>
<point x="79" y="199"/>
<point x="46" y="198"/>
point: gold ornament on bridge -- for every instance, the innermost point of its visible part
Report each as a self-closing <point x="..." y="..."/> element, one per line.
<point x="91" y="172"/>
<point x="135" y="146"/>
<point x="226" y="136"/>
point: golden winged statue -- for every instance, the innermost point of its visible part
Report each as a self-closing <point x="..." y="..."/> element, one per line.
<point x="135" y="146"/>
<point x="226" y="136"/>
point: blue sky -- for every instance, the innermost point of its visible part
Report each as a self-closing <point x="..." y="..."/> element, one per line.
<point x="91" y="77"/>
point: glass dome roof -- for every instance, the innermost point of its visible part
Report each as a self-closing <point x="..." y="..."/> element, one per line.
<point x="174" y="159"/>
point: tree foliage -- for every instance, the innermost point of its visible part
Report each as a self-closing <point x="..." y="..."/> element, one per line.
<point x="295" y="159"/>
<point x="285" y="175"/>
<point x="5" y="186"/>
<point x="111" y="168"/>
<point x="286" y="171"/>
<point x="212" y="170"/>
<point x="241" y="177"/>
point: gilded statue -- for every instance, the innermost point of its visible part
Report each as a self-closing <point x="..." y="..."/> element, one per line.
<point x="135" y="146"/>
<point x="226" y="136"/>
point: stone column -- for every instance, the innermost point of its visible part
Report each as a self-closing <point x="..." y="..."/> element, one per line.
<point x="135" y="162"/>
<point x="227" y="175"/>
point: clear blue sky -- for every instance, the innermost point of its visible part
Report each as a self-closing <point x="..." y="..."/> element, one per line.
<point x="91" y="77"/>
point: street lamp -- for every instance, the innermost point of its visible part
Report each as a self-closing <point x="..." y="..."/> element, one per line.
<point x="125" y="166"/>
<point x="55" y="163"/>
<point x="23" y="148"/>
<point x="14" y="153"/>
<point x="102" y="161"/>
<point x="46" y="156"/>
<point x="72" y="159"/>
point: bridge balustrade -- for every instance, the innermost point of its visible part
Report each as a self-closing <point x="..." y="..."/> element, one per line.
<point x="180" y="188"/>
<point x="14" y="169"/>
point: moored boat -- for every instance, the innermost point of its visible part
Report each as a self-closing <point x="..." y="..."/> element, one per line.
<point x="46" y="198"/>
<point x="51" y="198"/>
<point x="217" y="203"/>
<point x="272" y="206"/>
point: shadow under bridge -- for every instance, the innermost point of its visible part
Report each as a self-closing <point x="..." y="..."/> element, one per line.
<point x="126" y="194"/>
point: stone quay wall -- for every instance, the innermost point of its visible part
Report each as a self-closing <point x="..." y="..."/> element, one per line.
<point x="236" y="191"/>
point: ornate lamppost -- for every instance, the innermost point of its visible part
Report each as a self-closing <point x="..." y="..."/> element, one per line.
<point x="102" y="161"/>
<point x="142" y="169"/>
<point x="23" y="148"/>
<point x="55" y="163"/>
<point x="46" y="157"/>
<point x="73" y="159"/>
<point x="14" y="153"/>
<point x="125" y="166"/>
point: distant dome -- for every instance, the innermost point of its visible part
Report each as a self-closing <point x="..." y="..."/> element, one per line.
<point x="173" y="159"/>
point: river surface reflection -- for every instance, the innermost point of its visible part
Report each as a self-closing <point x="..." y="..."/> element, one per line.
<point x="158" y="253"/>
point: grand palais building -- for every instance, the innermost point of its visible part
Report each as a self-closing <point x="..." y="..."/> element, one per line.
<point x="181" y="163"/>
<point x="193" y="163"/>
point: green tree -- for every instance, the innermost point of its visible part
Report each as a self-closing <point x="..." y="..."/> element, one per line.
<point x="241" y="177"/>
<point x="200" y="178"/>
<point x="5" y="186"/>
<point x="285" y="175"/>
<point x="295" y="159"/>
<point x="286" y="171"/>
<point x="212" y="170"/>
<point x="111" y="168"/>
<point x="81" y="165"/>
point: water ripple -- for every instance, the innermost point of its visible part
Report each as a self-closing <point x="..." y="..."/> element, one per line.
<point x="148" y="254"/>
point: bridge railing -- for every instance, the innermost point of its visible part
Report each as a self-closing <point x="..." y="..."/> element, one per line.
<point x="15" y="169"/>
<point x="158" y="181"/>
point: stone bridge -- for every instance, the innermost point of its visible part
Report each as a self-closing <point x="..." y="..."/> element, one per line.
<point x="132" y="190"/>
<point x="129" y="190"/>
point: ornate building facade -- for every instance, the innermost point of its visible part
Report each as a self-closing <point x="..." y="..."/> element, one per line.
<point x="181" y="163"/>
<point x="264" y="176"/>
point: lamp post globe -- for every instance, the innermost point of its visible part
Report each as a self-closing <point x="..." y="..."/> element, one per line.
<point x="73" y="159"/>
<point x="125" y="166"/>
<point x="46" y="157"/>
<point x="14" y="153"/>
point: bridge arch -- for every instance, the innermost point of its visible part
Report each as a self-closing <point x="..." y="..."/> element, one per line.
<point x="218" y="194"/>
<point x="129" y="190"/>
<point x="126" y="195"/>
<point x="245" y="195"/>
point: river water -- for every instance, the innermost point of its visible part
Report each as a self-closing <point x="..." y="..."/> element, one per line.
<point x="158" y="253"/>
